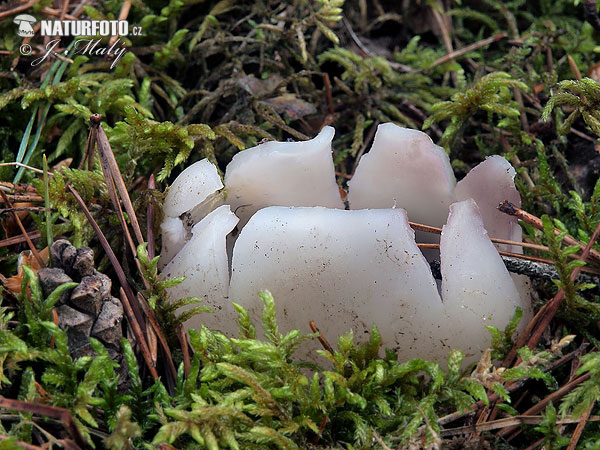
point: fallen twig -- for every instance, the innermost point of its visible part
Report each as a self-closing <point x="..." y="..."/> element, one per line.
<point x="512" y="210"/>
<point x="531" y="266"/>
<point x="23" y="231"/>
<point x="151" y="316"/>
<point x="541" y="405"/>
<point x="469" y="48"/>
<point x="19" y="239"/>
<point x="130" y="304"/>
<point x="507" y="422"/>
<point x="582" y="421"/>
<point x="150" y="218"/>
<point x="550" y="308"/>
<point x="321" y="338"/>
<point x="185" y="351"/>
<point x="22" y="444"/>
<point x="64" y="415"/>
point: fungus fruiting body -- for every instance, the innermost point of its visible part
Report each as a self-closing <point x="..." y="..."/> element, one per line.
<point x="283" y="174"/>
<point x="348" y="269"/>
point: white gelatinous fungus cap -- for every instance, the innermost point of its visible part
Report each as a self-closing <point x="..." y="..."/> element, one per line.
<point x="174" y="237"/>
<point x="404" y="168"/>
<point x="477" y="289"/>
<point x="345" y="270"/>
<point x="349" y="269"/>
<point x="203" y="263"/>
<point x="283" y="174"/>
<point x="194" y="185"/>
<point x="490" y="183"/>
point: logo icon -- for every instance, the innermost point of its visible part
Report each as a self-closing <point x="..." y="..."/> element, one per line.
<point x="25" y="22"/>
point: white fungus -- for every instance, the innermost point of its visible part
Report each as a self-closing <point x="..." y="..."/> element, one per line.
<point x="476" y="287"/>
<point x="345" y="270"/>
<point x="283" y="174"/>
<point x="203" y="263"/>
<point x="174" y="237"/>
<point x="490" y="183"/>
<point x="404" y="168"/>
<point x="349" y="269"/>
<point x="192" y="187"/>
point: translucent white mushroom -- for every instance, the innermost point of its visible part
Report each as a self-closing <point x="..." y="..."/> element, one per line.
<point x="490" y="183"/>
<point x="348" y="269"/>
<point x="344" y="270"/>
<point x="283" y="174"/>
<point x="174" y="237"/>
<point x="194" y="185"/>
<point x="404" y="168"/>
<point x="476" y="287"/>
<point x="203" y="263"/>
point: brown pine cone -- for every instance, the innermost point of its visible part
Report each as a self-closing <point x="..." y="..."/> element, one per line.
<point x="88" y="309"/>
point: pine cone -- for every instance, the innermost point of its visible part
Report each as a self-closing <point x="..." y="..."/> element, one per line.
<point x="88" y="309"/>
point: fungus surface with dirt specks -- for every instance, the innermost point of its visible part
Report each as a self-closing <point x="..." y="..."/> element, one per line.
<point x="349" y="269"/>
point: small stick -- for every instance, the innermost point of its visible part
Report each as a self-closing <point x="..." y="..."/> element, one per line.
<point x="550" y="308"/>
<point x="355" y="38"/>
<point x="138" y="333"/>
<point x="65" y="7"/>
<point x="436" y="230"/>
<point x="25" y="235"/>
<point x="503" y="423"/>
<point x="583" y="420"/>
<point x="19" y="239"/>
<point x="469" y="48"/>
<point x="327" y="84"/>
<point x="88" y="154"/>
<point x="150" y="218"/>
<point x="64" y="415"/>
<point x="122" y="16"/>
<point x="110" y="187"/>
<point x="24" y="208"/>
<point x="18" y="9"/>
<point x="112" y="257"/>
<point x="531" y="266"/>
<point x="105" y="151"/>
<point x="159" y="333"/>
<point x="24" y="198"/>
<point x="321" y="338"/>
<point x="512" y="210"/>
<point x="369" y="138"/>
<point x="185" y="351"/>
<point x="574" y="69"/>
<point x="21" y="444"/>
<point x="18" y="164"/>
<point x="539" y="406"/>
<point x="113" y="178"/>
<point x="56" y="13"/>
<point x="445" y="31"/>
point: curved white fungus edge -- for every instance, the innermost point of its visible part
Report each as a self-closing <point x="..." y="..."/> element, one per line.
<point x="489" y="183"/>
<point x="194" y="185"/>
<point x="283" y="174"/>
<point x="476" y="287"/>
<point x="203" y="263"/>
<point x="404" y="168"/>
<point x="174" y="237"/>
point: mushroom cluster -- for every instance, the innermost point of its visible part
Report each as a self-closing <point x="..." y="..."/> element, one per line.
<point x="281" y="222"/>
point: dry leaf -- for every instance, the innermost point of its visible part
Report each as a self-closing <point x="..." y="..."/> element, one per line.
<point x="13" y="283"/>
